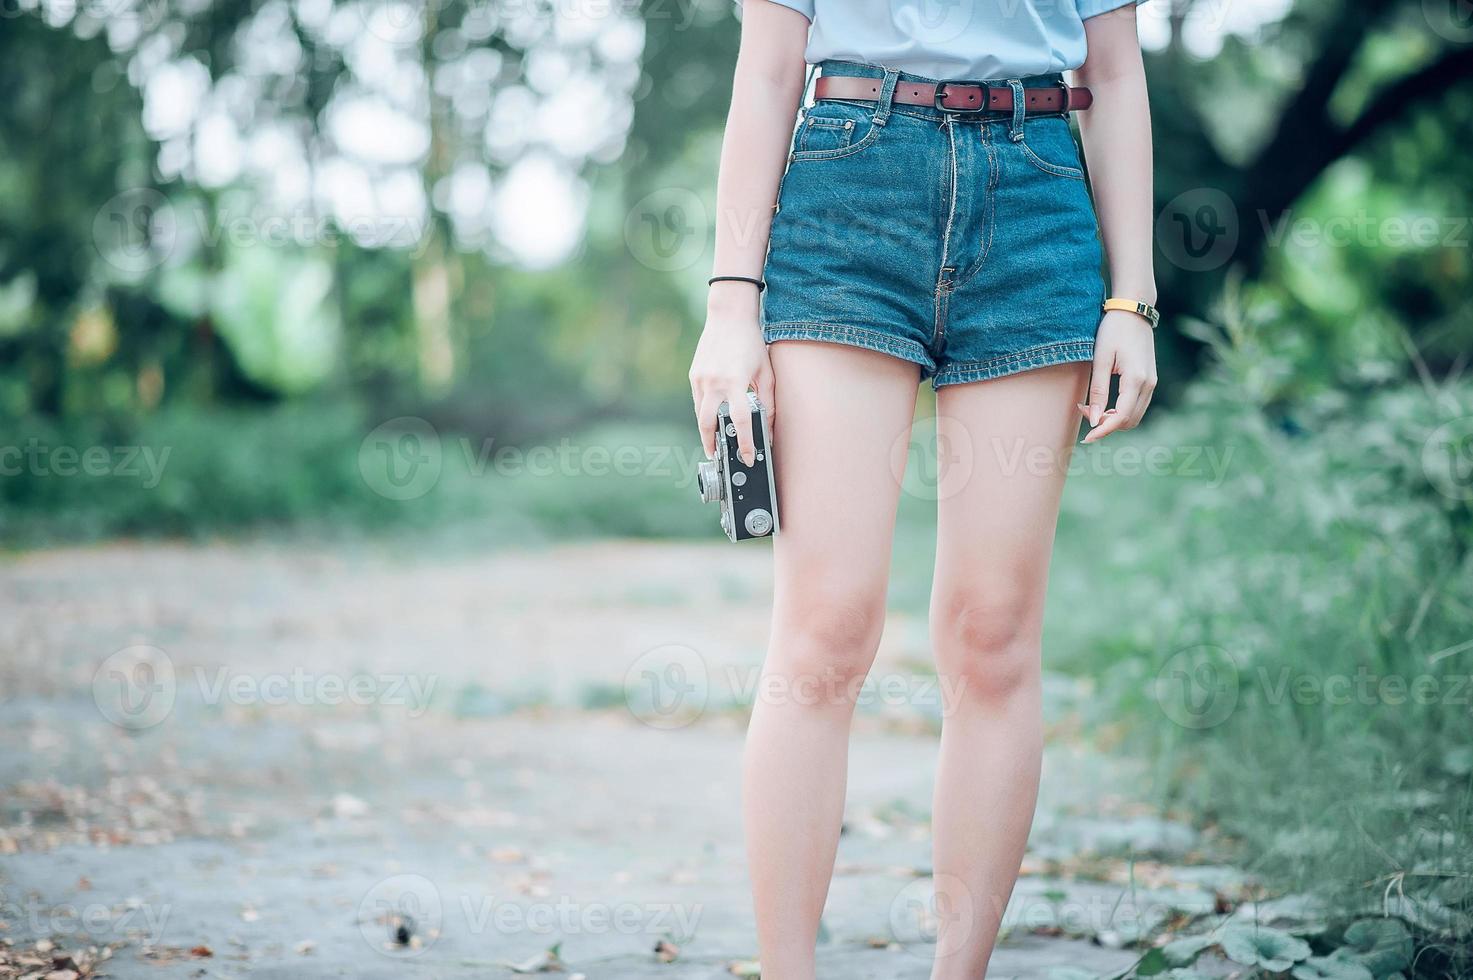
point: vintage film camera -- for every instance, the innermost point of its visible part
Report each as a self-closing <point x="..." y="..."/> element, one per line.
<point x="747" y="494"/>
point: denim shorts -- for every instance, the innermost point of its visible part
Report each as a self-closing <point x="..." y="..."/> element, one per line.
<point x="966" y="244"/>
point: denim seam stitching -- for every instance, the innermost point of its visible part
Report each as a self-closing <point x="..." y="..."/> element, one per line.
<point x="943" y="283"/>
<point x="875" y="340"/>
<point x="1055" y="169"/>
<point x="884" y="342"/>
<point x="1046" y="355"/>
<point x="989" y="209"/>
<point x="812" y="123"/>
<point x="798" y="156"/>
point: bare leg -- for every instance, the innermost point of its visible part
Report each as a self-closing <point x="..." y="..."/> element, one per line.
<point x="839" y="409"/>
<point x="995" y="531"/>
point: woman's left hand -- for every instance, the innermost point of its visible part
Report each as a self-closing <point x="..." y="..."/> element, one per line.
<point x="1124" y="345"/>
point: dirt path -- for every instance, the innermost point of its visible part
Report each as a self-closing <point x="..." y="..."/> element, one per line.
<point x="290" y="758"/>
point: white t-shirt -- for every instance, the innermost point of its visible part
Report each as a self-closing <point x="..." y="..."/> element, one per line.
<point x="952" y="39"/>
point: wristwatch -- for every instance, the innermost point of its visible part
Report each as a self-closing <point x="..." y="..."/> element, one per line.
<point x="1151" y="314"/>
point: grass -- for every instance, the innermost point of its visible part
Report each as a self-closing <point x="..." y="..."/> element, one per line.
<point x="1290" y="642"/>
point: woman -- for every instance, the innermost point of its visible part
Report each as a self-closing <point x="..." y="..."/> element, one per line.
<point x="910" y="230"/>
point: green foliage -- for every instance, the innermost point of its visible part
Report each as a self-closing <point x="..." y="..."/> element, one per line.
<point x="1262" y="947"/>
<point x="1337" y="967"/>
<point x="192" y="473"/>
<point x="311" y="467"/>
<point x="1288" y="634"/>
<point x="1184" y="951"/>
<point x="1382" y="946"/>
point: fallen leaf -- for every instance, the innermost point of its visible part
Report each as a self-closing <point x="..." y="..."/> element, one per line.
<point x="547" y="961"/>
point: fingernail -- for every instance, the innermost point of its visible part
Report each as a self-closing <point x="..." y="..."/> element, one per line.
<point x="1083" y="408"/>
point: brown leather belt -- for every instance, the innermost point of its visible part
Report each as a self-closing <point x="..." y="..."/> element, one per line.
<point x="955" y="96"/>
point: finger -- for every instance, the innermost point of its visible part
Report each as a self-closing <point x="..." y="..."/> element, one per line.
<point x="767" y="392"/>
<point x="741" y="417"/>
<point x="1099" y="386"/>
<point x="1118" y="418"/>
<point x="1143" y="403"/>
<point x="706" y="422"/>
<point x="1111" y="421"/>
<point x="1127" y="400"/>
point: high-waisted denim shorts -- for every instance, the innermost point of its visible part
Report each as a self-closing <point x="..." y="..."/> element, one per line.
<point x="966" y="244"/>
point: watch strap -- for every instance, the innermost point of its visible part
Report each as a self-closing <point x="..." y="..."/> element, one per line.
<point x="1146" y="310"/>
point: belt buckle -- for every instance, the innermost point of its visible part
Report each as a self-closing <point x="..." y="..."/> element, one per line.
<point x="941" y="93"/>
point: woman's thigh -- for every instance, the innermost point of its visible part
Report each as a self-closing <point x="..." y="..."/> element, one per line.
<point x="840" y="410"/>
<point x="1004" y="447"/>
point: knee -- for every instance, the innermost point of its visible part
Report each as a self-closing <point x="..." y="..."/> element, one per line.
<point x="987" y="643"/>
<point x="825" y="638"/>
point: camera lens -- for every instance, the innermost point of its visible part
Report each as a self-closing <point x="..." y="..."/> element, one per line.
<point x="708" y="481"/>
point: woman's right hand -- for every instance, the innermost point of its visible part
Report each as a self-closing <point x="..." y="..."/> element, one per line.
<point x="731" y="359"/>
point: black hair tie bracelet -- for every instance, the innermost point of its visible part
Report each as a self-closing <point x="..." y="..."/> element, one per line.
<point x="756" y="282"/>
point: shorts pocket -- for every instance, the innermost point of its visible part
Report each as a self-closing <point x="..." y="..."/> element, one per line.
<point x="832" y="130"/>
<point x="1048" y="144"/>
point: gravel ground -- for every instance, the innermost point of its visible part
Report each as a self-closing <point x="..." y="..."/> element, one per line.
<point x="296" y="761"/>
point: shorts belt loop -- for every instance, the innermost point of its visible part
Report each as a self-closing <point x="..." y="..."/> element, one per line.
<point x="887" y="96"/>
<point x="1020" y="109"/>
